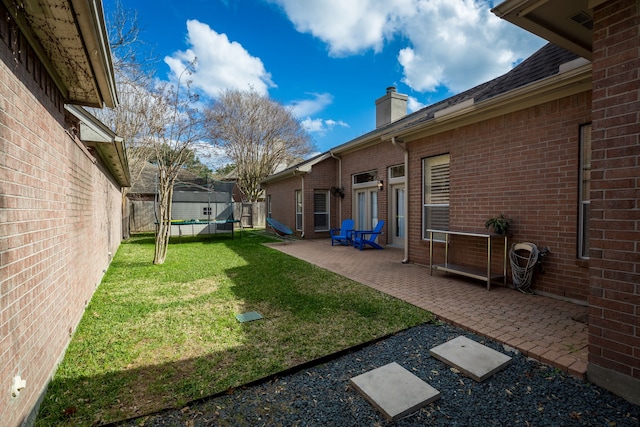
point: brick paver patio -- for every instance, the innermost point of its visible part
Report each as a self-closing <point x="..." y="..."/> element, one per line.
<point x="540" y="327"/>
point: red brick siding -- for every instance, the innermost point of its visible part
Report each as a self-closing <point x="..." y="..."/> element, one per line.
<point x="523" y="164"/>
<point x="614" y="296"/>
<point x="59" y="222"/>
<point x="283" y="206"/>
<point x="324" y="175"/>
<point x="377" y="158"/>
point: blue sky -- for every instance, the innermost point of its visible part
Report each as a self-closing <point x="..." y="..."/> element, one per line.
<point x="329" y="60"/>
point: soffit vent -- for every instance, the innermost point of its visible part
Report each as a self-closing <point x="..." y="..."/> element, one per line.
<point x="584" y="19"/>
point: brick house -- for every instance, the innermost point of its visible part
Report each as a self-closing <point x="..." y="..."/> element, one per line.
<point x="608" y="34"/>
<point x="61" y="179"/>
<point x="553" y="144"/>
<point x="315" y="195"/>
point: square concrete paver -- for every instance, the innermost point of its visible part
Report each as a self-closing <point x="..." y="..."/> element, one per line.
<point x="394" y="391"/>
<point x="248" y="317"/>
<point x="471" y="358"/>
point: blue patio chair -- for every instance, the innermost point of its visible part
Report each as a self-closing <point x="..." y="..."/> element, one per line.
<point x="280" y="229"/>
<point x="368" y="237"/>
<point x="344" y="234"/>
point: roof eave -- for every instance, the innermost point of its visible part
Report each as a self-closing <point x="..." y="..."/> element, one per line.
<point x="570" y="82"/>
<point x="77" y="28"/>
<point x="297" y="170"/>
<point x="109" y="146"/>
<point x="94" y="33"/>
<point x="551" y="20"/>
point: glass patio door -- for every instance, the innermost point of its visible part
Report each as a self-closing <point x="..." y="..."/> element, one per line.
<point x="366" y="216"/>
<point x="398" y="215"/>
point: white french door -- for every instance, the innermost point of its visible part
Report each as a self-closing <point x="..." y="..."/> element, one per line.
<point x="398" y="224"/>
<point x="366" y="208"/>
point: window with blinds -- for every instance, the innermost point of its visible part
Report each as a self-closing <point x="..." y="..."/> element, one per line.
<point x="321" y="210"/>
<point x="436" y="194"/>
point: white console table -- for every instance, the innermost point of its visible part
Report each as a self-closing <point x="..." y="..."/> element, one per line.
<point x="476" y="273"/>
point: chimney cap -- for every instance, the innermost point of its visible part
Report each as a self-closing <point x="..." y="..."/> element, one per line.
<point x="391" y="89"/>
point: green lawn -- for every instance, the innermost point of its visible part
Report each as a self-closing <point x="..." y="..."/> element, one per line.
<point x="155" y="337"/>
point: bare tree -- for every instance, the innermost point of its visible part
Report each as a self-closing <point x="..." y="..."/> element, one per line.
<point x="257" y="134"/>
<point x="157" y="122"/>
<point x="174" y="126"/>
<point x="135" y="86"/>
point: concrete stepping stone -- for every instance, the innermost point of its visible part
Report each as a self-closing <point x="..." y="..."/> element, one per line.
<point x="471" y="358"/>
<point x="394" y="391"/>
<point x="248" y="316"/>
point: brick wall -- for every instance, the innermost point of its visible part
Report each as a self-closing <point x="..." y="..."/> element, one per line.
<point x="324" y="176"/>
<point x="377" y="158"/>
<point x="59" y="222"/>
<point x="283" y="202"/>
<point x="283" y="206"/>
<point x="614" y="297"/>
<point x="523" y="164"/>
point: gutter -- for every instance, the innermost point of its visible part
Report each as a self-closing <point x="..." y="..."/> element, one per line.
<point x="90" y="20"/>
<point x="405" y="202"/>
<point x="571" y="81"/>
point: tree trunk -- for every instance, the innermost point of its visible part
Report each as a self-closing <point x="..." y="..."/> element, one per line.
<point x="164" y="222"/>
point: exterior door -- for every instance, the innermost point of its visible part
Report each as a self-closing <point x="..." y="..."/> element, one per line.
<point x="398" y="225"/>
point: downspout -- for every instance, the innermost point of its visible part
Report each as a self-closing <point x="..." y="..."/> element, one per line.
<point x="302" y="192"/>
<point x="406" y="197"/>
<point x="339" y="159"/>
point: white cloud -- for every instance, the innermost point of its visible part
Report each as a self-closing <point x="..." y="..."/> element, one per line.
<point x="305" y="108"/>
<point x="221" y="63"/>
<point x="321" y="126"/>
<point x="333" y="123"/>
<point x="414" y="105"/>
<point x="309" y="107"/>
<point x="312" y="125"/>
<point x="212" y="156"/>
<point x="346" y="26"/>
<point x="459" y="44"/>
<point x="455" y="44"/>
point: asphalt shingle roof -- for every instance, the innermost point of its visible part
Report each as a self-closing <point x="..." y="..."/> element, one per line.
<point x="542" y="64"/>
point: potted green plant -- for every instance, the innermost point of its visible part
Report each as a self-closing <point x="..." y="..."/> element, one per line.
<point x="499" y="224"/>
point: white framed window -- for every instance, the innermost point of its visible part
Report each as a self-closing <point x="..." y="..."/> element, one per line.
<point x="364" y="178"/>
<point x="299" y="210"/>
<point x="585" y="188"/>
<point x="269" y="206"/>
<point x="321" y="210"/>
<point x="396" y="172"/>
<point x="436" y="189"/>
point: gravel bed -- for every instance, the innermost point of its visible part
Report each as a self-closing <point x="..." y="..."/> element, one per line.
<point x="526" y="393"/>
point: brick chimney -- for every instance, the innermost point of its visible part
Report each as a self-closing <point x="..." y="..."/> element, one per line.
<point x="390" y="107"/>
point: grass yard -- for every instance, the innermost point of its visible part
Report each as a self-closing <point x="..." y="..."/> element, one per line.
<point x="156" y="337"/>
